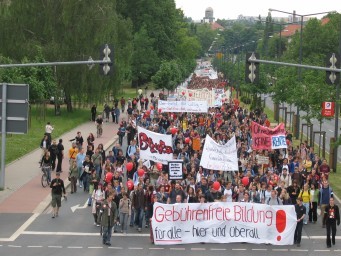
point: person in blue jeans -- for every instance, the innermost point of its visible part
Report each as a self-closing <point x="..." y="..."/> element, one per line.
<point x="109" y="216"/>
<point x="139" y="205"/>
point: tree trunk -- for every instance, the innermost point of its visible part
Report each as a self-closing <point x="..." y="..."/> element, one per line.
<point x="68" y="102"/>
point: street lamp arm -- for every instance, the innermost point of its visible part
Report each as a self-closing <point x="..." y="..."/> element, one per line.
<point x="301" y="15"/>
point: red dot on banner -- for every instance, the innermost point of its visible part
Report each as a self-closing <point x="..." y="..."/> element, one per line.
<point x="281" y="222"/>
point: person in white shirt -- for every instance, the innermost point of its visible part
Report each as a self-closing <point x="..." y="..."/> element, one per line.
<point x="228" y="192"/>
<point x="48" y="130"/>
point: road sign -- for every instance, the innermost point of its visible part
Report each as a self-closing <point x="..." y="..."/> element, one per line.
<point x="15" y="107"/>
<point x="328" y="109"/>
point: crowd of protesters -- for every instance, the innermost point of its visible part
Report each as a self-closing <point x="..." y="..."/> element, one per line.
<point x="201" y="82"/>
<point x="292" y="176"/>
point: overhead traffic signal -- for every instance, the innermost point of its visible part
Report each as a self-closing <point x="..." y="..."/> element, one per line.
<point x="333" y="61"/>
<point x="252" y="68"/>
<point x="106" y="54"/>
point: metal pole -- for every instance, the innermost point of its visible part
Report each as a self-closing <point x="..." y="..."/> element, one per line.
<point x="299" y="79"/>
<point x="337" y="112"/>
<point x="3" y="135"/>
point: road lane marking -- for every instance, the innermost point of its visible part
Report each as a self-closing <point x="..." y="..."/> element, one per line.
<point x="75" y="247"/>
<point x="21" y="229"/>
<point x="299" y="250"/>
<point x="135" y="248"/>
<point x="322" y="250"/>
<point x="331" y="131"/>
<point x="198" y="249"/>
<point x="34" y="246"/>
<point x="55" y="246"/>
<point x="238" y="249"/>
<point x="95" y="247"/>
<point x="156" y="248"/>
<point x="218" y="249"/>
<point x="280" y="250"/>
<point x="117" y="248"/>
<point x="177" y="249"/>
<point x="14" y="246"/>
<point x="259" y="249"/>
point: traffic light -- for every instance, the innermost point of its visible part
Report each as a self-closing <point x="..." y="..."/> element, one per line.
<point x="333" y="61"/>
<point x="106" y="54"/>
<point x="251" y="68"/>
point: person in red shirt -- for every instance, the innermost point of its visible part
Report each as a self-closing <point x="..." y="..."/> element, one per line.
<point x="324" y="169"/>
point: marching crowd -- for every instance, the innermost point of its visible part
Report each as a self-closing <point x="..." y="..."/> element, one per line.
<point x="122" y="188"/>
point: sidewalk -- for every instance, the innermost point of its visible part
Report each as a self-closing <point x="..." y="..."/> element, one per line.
<point x="23" y="191"/>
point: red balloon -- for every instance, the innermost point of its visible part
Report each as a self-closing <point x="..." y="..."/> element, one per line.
<point x="147" y="112"/>
<point x="187" y="140"/>
<point x="190" y="94"/>
<point x="140" y="172"/>
<point x="160" y="110"/>
<point x="173" y="130"/>
<point x="108" y="177"/>
<point x="183" y="92"/>
<point x="151" y="107"/>
<point x="245" y="181"/>
<point x="159" y="166"/>
<point x="130" y="185"/>
<point x="129" y="166"/>
<point x="216" y="185"/>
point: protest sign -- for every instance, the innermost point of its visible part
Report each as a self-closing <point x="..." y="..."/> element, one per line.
<point x="266" y="138"/>
<point x="183" y="106"/>
<point x="219" y="157"/>
<point x="262" y="159"/>
<point x="220" y="222"/>
<point x="155" y="146"/>
<point x="175" y="170"/>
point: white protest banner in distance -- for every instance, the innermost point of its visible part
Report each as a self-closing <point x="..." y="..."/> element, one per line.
<point x="262" y="159"/>
<point x="183" y="106"/>
<point x="219" y="157"/>
<point x="223" y="222"/>
<point x="175" y="170"/>
<point x="155" y="146"/>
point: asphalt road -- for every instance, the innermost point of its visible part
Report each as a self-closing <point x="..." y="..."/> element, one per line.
<point x="327" y="125"/>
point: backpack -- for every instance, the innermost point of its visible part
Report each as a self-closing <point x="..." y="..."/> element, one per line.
<point x="270" y="199"/>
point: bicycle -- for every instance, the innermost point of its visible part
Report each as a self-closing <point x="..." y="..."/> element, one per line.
<point x="45" y="181"/>
<point x="99" y="130"/>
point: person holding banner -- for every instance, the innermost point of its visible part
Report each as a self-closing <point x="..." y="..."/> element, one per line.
<point x="300" y="213"/>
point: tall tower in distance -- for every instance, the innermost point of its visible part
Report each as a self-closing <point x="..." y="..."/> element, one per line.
<point x="209" y="18"/>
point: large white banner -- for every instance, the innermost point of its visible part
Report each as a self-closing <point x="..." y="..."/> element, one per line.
<point x="220" y="157"/>
<point x="155" y="146"/>
<point x="223" y="223"/>
<point x="183" y="106"/>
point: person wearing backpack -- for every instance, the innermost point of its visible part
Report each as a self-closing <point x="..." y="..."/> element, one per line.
<point x="305" y="195"/>
<point x="274" y="200"/>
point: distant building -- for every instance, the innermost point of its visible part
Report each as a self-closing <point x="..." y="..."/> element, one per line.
<point x="209" y="18"/>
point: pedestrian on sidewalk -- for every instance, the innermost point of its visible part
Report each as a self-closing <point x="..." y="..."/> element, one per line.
<point x="331" y="218"/>
<point x="48" y="130"/>
<point x="109" y="216"/>
<point x="53" y="153"/>
<point x="79" y="160"/>
<point x="73" y="176"/>
<point x="60" y="155"/>
<point x="300" y="213"/>
<point x="93" y="113"/>
<point x="58" y="188"/>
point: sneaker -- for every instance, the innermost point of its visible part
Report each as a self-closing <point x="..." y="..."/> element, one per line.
<point x="80" y="185"/>
<point x="139" y="229"/>
<point x="146" y="226"/>
<point x="95" y="223"/>
<point x="53" y="216"/>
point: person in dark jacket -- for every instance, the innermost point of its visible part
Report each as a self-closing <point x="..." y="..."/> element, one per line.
<point x="109" y="216"/>
<point x="331" y="218"/>
<point x="139" y="205"/>
<point x="57" y="189"/>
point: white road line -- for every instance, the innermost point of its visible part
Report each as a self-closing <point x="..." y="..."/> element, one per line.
<point x="55" y="246"/>
<point x="156" y="248"/>
<point x="34" y="246"/>
<point x="198" y="249"/>
<point x="117" y="248"/>
<point x="321" y="250"/>
<point x="218" y="249"/>
<point x="135" y="248"/>
<point x="177" y="249"/>
<point x="337" y="250"/>
<point x="14" y="246"/>
<point x="259" y="249"/>
<point x="299" y="250"/>
<point x="21" y="229"/>
<point x="95" y="247"/>
<point x="238" y="249"/>
<point x="331" y="131"/>
<point x="280" y="250"/>
<point x="75" y="247"/>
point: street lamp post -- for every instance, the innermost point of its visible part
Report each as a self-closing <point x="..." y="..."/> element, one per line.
<point x="297" y="132"/>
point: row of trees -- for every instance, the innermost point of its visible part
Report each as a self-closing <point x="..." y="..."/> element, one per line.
<point x="152" y="42"/>
<point x="319" y="40"/>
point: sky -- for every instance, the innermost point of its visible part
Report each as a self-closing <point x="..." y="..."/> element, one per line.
<point x="231" y="9"/>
